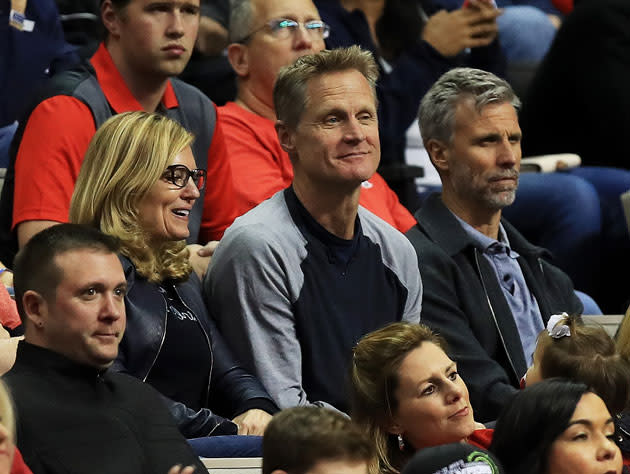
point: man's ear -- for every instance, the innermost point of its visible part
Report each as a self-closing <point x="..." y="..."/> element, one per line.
<point x="238" y="55"/>
<point x="35" y="307"/>
<point x="278" y="471"/>
<point x="438" y="152"/>
<point x="285" y="137"/>
<point x="110" y="17"/>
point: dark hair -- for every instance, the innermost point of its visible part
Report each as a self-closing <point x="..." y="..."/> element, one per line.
<point x="298" y="438"/>
<point x="398" y="28"/>
<point x="587" y="356"/>
<point x="531" y="421"/>
<point x="35" y="268"/>
<point x="119" y="6"/>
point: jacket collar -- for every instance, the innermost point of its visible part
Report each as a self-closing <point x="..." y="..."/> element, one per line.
<point x="438" y="223"/>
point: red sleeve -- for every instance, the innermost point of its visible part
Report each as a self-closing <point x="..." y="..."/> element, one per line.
<point x="19" y="466"/>
<point x="220" y="207"/>
<point x="55" y="139"/>
<point x="403" y="219"/>
<point x="383" y="201"/>
<point x="9" y="317"/>
<point x="259" y="165"/>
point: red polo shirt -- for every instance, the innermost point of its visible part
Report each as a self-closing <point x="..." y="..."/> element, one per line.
<point x="57" y="135"/>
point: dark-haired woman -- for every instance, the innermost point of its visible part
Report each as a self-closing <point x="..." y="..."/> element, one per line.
<point x="556" y="427"/>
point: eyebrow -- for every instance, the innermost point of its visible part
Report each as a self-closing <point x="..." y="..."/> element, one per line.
<point x="293" y="16"/>
<point x="100" y="286"/>
<point x="446" y="371"/>
<point x="497" y="136"/>
<point x="588" y="422"/>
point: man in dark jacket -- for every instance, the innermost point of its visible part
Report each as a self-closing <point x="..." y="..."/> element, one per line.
<point x="73" y="415"/>
<point x="488" y="291"/>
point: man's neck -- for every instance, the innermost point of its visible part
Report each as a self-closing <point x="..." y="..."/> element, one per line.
<point x="147" y="90"/>
<point x="335" y="210"/>
<point x="37" y="340"/>
<point x="249" y="101"/>
<point x="484" y="220"/>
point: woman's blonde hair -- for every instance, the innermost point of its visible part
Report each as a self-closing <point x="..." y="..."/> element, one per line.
<point x="374" y="379"/>
<point x="7" y="414"/>
<point x="126" y="157"/>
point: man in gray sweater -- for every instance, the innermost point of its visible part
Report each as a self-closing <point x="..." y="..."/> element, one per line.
<point x="300" y="278"/>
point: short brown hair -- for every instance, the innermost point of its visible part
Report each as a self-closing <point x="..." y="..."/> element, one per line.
<point x="587" y="356"/>
<point x="35" y="267"/>
<point x="298" y="438"/>
<point x="374" y="380"/>
<point x="289" y="92"/>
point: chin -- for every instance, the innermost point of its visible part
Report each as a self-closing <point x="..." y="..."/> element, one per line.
<point x="178" y="237"/>
<point x="104" y="359"/>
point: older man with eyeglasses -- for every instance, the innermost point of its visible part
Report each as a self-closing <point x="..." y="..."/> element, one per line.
<point x="266" y="35"/>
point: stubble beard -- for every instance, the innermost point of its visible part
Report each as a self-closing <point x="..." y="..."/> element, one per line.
<point x="498" y="200"/>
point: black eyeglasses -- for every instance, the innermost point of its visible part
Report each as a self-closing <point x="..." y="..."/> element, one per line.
<point x="178" y="175"/>
<point x="283" y="28"/>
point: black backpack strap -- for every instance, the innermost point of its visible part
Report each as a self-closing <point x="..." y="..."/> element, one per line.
<point x="81" y="83"/>
<point x="90" y="93"/>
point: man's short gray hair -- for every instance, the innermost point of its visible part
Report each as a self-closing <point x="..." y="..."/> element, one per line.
<point x="436" y="114"/>
<point x="289" y="92"/>
<point x="241" y="17"/>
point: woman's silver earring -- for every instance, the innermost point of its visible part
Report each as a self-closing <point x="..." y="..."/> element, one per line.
<point x="401" y="442"/>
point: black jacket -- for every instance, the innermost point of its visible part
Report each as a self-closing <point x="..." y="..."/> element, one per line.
<point x="463" y="301"/>
<point x="231" y="390"/>
<point x="76" y="418"/>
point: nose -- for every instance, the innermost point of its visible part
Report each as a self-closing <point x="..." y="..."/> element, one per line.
<point x="113" y="307"/>
<point x="607" y="449"/>
<point x="176" y="25"/>
<point x="353" y="132"/>
<point x="454" y="392"/>
<point x="4" y="434"/>
<point x="190" y="192"/>
<point x="301" y="38"/>
<point x="509" y="153"/>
